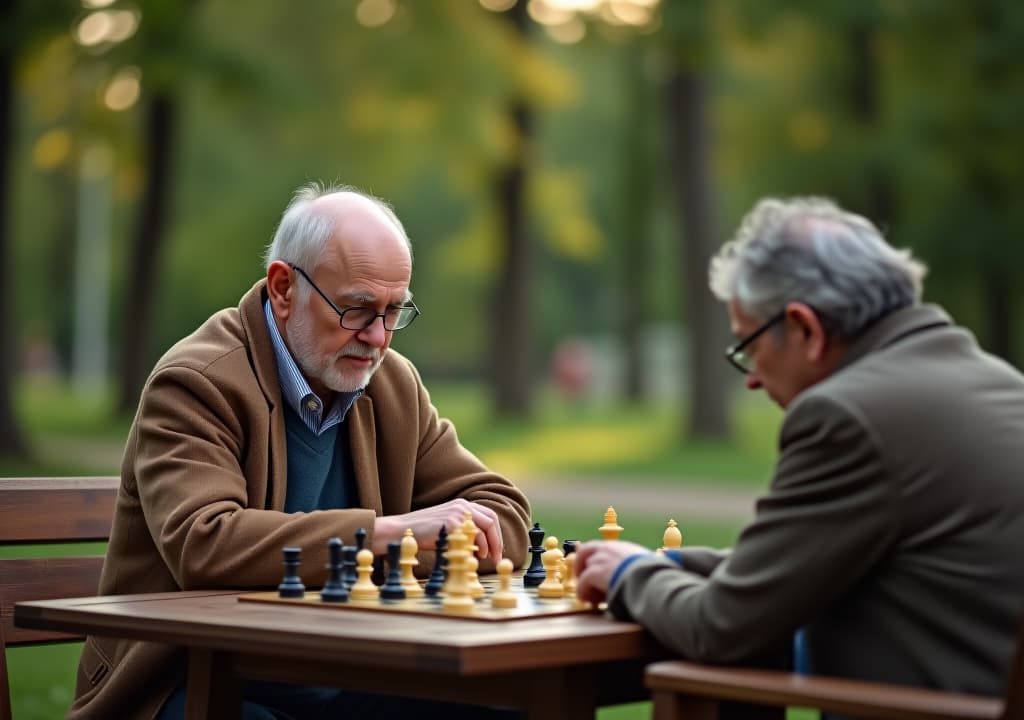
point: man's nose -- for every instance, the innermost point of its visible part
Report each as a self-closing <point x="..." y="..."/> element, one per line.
<point x="375" y="334"/>
<point x="753" y="381"/>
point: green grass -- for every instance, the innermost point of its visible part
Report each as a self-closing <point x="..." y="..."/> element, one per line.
<point x="42" y="680"/>
<point x="8" y="552"/>
<point x="71" y="434"/>
<point x="642" y="711"/>
<point x="607" y="441"/>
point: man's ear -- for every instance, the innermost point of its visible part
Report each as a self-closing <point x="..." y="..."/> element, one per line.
<point x="807" y="325"/>
<point x="281" y="289"/>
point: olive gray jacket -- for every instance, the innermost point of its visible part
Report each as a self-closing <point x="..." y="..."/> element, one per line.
<point x="893" y="528"/>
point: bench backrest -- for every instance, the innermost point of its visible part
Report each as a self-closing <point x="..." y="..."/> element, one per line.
<point x="40" y="511"/>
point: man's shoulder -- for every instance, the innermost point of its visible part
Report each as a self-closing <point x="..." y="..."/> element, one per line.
<point x="225" y="341"/>
<point x="218" y="342"/>
<point x="396" y="372"/>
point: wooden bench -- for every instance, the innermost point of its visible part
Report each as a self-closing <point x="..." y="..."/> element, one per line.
<point x="687" y="690"/>
<point x="38" y="511"/>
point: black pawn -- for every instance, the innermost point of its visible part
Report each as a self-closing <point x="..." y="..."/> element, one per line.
<point x="535" y="574"/>
<point x="360" y="539"/>
<point x="291" y="586"/>
<point x="438" y="574"/>
<point x="569" y="546"/>
<point x="348" y="562"/>
<point x="334" y="589"/>
<point x="392" y="588"/>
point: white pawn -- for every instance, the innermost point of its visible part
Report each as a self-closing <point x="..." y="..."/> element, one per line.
<point x="504" y="598"/>
<point x="364" y="589"/>
<point x="408" y="561"/>
<point x="476" y="588"/>
<point x="611" y="528"/>
<point x="456" y="591"/>
<point x="569" y="577"/>
<point x="672" y="539"/>
<point x="552" y="585"/>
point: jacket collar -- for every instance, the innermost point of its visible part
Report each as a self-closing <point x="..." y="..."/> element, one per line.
<point x="254" y="325"/>
<point x="894" y="327"/>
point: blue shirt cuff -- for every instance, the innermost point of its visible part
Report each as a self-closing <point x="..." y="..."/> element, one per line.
<point x="675" y="556"/>
<point x="622" y="568"/>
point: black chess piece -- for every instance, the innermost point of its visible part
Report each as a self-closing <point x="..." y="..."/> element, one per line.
<point x="535" y="574"/>
<point x="392" y="588"/>
<point x="334" y="589"/>
<point x="348" y="562"/>
<point x="438" y="574"/>
<point x="360" y="539"/>
<point x="569" y="546"/>
<point x="291" y="586"/>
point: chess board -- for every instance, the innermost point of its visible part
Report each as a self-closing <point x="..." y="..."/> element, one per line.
<point x="529" y="604"/>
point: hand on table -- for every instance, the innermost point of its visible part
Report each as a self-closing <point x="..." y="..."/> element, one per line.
<point x="426" y="523"/>
<point x="596" y="562"/>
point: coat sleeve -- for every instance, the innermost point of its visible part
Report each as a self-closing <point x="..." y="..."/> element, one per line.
<point x="826" y="521"/>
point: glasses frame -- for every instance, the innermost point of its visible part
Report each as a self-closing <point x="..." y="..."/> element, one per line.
<point x="341" y="313"/>
<point x="733" y="351"/>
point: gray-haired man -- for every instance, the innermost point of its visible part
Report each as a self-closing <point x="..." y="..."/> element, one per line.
<point x="893" y="526"/>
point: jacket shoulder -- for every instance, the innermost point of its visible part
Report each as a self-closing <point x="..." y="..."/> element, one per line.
<point x="218" y="340"/>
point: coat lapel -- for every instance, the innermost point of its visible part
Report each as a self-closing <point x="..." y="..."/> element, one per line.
<point x="363" y="446"/>
<point x="254" y="325"/>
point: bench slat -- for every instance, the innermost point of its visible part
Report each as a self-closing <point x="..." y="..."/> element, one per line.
<point x="42" y="510"/>
<point x="43" y="579"/>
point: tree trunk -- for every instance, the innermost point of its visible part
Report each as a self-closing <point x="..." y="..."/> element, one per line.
<point x="878" y="203"/>
<point x="636" y="230"/>
<point x="512" y="374"/>
<point x="62" y="264"/>
<point x="708" y="385"/>
<point x="12" y="442"/>
<point x="150" y="234"/>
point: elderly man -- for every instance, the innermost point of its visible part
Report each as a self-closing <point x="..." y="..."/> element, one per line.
<point x="284" y="422"/>
<point x="893" y="525"/>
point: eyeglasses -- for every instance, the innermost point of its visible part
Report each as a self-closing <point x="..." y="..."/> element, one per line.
<point x="735" y="353"/>
<point x="396" y="317"/>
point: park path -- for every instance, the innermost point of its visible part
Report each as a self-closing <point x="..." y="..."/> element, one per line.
<point x="694" y="499"/>
<point x="658" y="496"/>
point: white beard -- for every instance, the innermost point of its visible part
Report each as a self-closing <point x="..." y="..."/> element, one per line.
<point x="325" y="369"/>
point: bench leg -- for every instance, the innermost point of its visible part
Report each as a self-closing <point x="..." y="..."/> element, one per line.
<point x="669" y="705"/>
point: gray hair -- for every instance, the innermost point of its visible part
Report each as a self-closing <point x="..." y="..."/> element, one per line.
<point x="811" y="251"/>
<point x="304" y="231"/>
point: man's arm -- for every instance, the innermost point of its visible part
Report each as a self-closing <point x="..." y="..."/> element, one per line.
<point x="825" y="523"/>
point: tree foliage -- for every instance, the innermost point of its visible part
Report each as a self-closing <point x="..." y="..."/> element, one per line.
<point x="905" y="111"/>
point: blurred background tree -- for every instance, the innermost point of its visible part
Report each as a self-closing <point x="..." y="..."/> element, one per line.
<point x="565" y="169"/>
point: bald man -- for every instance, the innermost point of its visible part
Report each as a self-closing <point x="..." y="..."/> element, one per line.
<point x="284" y="422"/>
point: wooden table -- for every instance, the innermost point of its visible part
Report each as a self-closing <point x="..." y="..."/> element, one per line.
<point x="554" y="668"/>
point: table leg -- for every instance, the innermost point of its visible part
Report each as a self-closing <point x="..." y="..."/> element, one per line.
<point x="214" y="693"/>
<point x="566" y="694"/>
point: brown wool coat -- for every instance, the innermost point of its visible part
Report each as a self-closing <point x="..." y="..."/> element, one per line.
<point x="203" y="486"/>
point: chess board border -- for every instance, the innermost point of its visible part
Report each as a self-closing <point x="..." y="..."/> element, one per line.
<point x="530" y="606"/>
